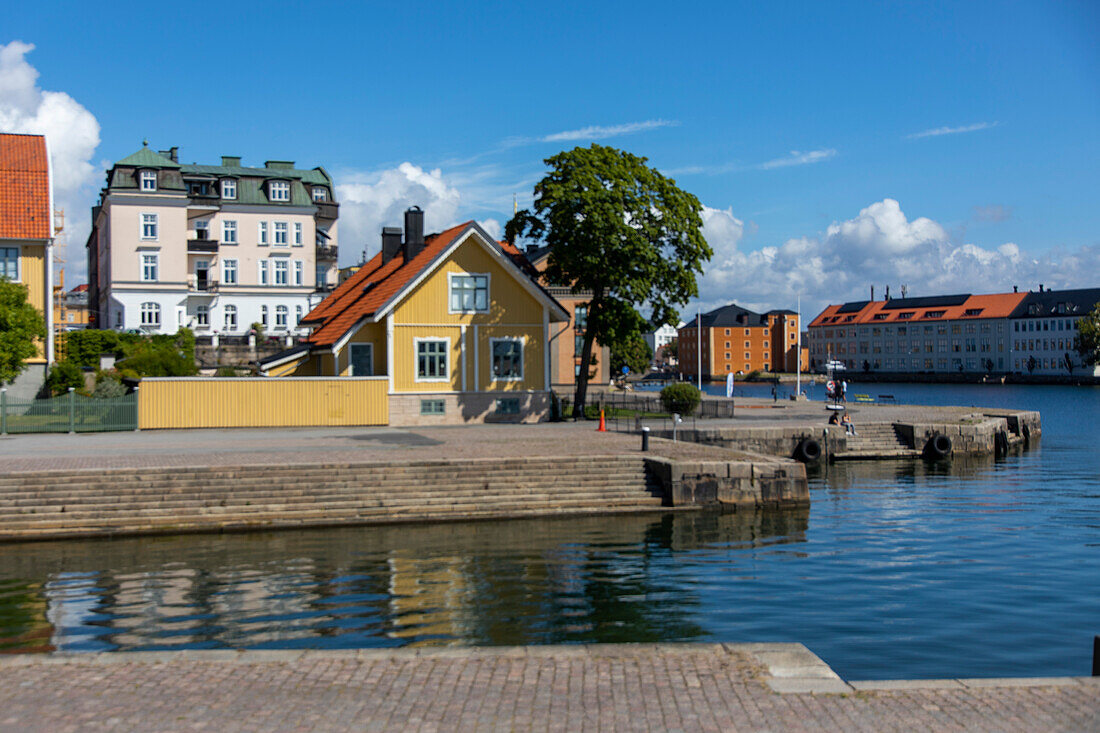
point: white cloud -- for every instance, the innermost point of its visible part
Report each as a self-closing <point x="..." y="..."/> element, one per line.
<point x="797" y="158"/>
<point x="880" y="246"/>
<point x="73" y="135"/>
<point x="936" y="132"/>
<point x="493" y="227"/>
<point x="370" y="201"/>
<point x="601" y="132"/>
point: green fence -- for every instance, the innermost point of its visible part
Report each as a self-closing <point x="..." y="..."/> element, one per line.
<point x="71" y="413"/>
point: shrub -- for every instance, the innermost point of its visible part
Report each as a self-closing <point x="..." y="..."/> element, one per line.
<point x="108" y="384"/>
<point x="753" y="375"/>
<point x="226" y="371"/>
<point x="64" y="374"/>
<point x="681" y="397"/>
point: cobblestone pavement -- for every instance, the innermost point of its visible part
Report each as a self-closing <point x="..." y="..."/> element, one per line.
<point x="165" y="448"/>
<point x="704" y="687"/>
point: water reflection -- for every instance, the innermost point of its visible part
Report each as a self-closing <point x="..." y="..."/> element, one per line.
<point x="519" y="582"/>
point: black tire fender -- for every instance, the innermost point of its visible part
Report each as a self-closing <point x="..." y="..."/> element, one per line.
<point x="938" y="446"/>
<point x="808" y="450"/>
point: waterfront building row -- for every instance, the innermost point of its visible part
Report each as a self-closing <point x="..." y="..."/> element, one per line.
<point x="214" y="248"/>
<point x="1021" y="333"/>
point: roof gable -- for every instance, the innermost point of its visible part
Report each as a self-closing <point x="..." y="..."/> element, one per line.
<point x="377" y="287"/>
<point x="146" y="158"/>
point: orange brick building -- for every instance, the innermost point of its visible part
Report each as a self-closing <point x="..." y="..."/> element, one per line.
<point x="737" y="340"/>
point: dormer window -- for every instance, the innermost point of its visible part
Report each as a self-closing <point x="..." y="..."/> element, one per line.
<point x="148" y="180"/>
<point x="278" y="191"/>
<point x="229" y="188"/>
<point x="320" y="194"/>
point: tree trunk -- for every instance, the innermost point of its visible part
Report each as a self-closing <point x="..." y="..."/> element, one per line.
<point x="581" y="389"/>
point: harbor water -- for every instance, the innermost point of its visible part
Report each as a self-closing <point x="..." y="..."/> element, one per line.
<point x="985" y="568"/>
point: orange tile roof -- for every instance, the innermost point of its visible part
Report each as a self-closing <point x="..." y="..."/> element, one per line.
<point x="374" y="284"/>
<point x="24" y="187"/>
<point x="372" y="287"/>
<point x="995" y="305"/>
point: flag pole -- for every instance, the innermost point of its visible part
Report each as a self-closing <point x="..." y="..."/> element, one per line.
<point x="798" y="358"/>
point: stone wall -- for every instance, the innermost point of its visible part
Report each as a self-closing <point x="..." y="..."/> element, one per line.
<point x="468" y="407"/>
<point x="763" y="483"/>
<point x="976" y="434"/>
<point x="773" y="441"/>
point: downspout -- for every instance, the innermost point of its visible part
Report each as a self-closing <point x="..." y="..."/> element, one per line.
<point x="49" y="260"/>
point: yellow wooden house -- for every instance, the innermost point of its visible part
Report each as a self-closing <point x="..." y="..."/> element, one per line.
<point x="456" y="322"/>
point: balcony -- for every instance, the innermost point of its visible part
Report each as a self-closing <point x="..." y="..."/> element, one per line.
<point x="202" y="246"/>
<point x="197" y="284"/>
<point x="327" y="210"/>
<point x="326" y="251"/>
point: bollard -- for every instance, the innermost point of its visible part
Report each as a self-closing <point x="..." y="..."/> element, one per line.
<point x="1096" y="656"/>
<point x="645" y="445"/>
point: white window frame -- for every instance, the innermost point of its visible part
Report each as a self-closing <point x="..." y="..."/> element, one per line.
<point x="229" y="272"/>
<point x="227" y="311"/>
<point x="262" y="271"/>
<point x="284" y="231"/>
<point x="278" y="190"/>
<point x="229" y="231"/>
<point x="319" y="193"/>
<point x="150" y="314"/>
<point x="297" y="234"/>
<point x="154" y="223"/>
<point x="229" y="189"/>
<point x="261" y="234"/>
<point x="450" y="292"/>
<point x="202" y="316"/>
<point x="299" y="273"/>
<point x="263" y="315"/>
<point x="446" y="358"/>
<point x="280" y="268"/>
<point x="154" y="260"/>
<point x="298" y="316"/>
<point x="148" y="177"/>
<point x="352" y="348"/>
<point x="282" y="313"/>
<point x="522" y="356"/>
<point x="18" y="263"/>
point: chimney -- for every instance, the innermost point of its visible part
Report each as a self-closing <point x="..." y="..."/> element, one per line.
<point x="1015" y="288"/>
<point x="872" y="293"/>
<point x="391" y="243"/>
<point x="279" y="165"/>
<point x="231" y="161"/>
<point x="1040" y="287"/>
<point x="888" y="292"/>
<point x="414" y="232"/>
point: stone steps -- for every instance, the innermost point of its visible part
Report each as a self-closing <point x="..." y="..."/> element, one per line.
<point x="314" y="487"/>
<point x="75" y="503"/>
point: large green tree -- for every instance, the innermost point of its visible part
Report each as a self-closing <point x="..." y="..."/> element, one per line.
<point x="621" y="231"/>
<point x="20" y="325"/>
<point x="634" y="354"/>
<point x="1087" y="341"/>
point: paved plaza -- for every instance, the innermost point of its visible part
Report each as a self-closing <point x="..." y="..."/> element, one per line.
<point x="696" y="687"/>
<point x="250" y="446"/>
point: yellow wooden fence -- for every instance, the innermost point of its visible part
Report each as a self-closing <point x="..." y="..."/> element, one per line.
<point x="197" y="402"/>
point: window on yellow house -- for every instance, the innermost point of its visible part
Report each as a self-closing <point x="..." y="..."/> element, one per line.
<point x="507" y="358"/>
<point x="469" y="293"/>
<point x="431" y="360"/>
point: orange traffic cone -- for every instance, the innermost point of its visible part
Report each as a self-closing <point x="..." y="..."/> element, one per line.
<point x="603" y="425"/>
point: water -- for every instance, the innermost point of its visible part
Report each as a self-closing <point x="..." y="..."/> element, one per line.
<point x="983" y="568"/>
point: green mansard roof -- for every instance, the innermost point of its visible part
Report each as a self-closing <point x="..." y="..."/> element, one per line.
<point x="146" y="158"/>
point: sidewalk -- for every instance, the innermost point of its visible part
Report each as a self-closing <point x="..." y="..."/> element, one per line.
<point x="687" y="687"/>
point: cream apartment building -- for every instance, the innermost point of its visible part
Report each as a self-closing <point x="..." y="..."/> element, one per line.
<point x="214" y="248"/>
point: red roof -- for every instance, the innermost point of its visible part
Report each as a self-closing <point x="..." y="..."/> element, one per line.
<point x="371" y="287"/>
<point x="24" y="187"/>
<point x="997" y="305"/>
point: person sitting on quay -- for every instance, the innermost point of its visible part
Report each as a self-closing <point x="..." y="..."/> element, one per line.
<point x="849" y="428"/>
<point x="834" y="419"/>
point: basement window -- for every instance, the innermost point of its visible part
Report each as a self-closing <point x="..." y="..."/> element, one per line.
<point x="508" y="406"/>
<point x="432" y="407"/>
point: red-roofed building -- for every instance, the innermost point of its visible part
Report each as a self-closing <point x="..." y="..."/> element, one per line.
<point x="26" y="225"/>
<point x="935" y="334"/>
<point x="455" y="321"/>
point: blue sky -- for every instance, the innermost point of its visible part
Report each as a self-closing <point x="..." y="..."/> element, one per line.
<point x="947" y="147"/>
